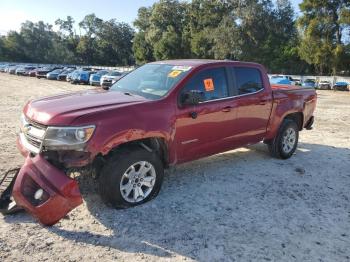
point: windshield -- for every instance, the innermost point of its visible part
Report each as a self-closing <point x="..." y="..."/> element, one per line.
<point x="115" y="73"/>
<point x="151" y="81"/>
<point x="102" y="72"/>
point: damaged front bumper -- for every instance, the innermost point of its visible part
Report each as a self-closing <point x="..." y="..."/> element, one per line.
<point x="44" y="191"/>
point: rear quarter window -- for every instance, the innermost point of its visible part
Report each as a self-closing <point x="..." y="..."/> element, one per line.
<point x="248" y="80"/>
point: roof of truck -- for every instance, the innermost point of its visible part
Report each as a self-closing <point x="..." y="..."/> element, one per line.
<point x="199" y="62"/>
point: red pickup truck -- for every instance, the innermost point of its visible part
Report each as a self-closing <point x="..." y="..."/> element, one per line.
<point x="159" y="115"/>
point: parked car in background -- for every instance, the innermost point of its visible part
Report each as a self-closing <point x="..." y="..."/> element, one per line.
<point x="109" y="79"/>
<point x="309" y="83"/>
<point x="325" y="85"/>
<point x="24" y="70"/>
<point x="280" y="80"/>
<point x="73" y="76"/>
<point x="96" y="77"/>
<point x="286" y="77"/>
<point x="341" y="86"/>
<point x="32" y="73"/>
<point x="81" y="77"/>
<point x="3" y="67"/>
<point x="43" y="71"/>
<point x="54" y="74"/>
<point x="12" y="70"/>
<point x="63" y="75"/>
<point x="122" y="75"/>
<point x="297" y="81"/>
<point x="70" y="75"/>
<point x="28" y="70"/>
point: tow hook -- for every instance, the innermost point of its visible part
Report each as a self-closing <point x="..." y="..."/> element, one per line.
<point x="7" y="204"/>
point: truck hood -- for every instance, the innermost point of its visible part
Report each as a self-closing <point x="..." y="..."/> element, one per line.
<point x="65" y="108"/>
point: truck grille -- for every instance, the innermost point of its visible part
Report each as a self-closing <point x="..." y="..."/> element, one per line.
<point x="32" y="135"/>
<point x="33" y="141"/>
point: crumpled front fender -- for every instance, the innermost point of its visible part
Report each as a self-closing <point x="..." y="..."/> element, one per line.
<point x="45" y="191"/>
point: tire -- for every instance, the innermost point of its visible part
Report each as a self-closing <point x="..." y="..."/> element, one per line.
<point x="278" y="147"/>
<point x="113" y="175"/>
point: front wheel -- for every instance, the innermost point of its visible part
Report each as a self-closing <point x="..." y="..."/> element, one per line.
<point x="286" y="141"/>
<point x="131" y="177"/>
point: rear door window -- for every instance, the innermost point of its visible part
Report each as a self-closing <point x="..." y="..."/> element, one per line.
<point x="211" y="82"/>
<point x="248" y="80"/>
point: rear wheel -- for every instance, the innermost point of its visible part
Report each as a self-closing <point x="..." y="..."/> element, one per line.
<point x="131" y="177"/>
<point x="285" y="143"/>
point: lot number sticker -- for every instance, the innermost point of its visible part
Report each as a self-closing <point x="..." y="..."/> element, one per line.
<point x="174" y="73"/>
<point x="208" y="84"/>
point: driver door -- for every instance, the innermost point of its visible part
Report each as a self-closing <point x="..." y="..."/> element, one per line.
<point x="203" y="129"/>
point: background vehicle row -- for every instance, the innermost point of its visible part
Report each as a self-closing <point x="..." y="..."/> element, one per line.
<point x="74" y="75"/>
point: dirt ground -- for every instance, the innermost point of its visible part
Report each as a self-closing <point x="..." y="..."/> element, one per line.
<point x="241" y="205"/>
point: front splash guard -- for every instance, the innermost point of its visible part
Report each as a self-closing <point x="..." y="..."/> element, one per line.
<point x="45" y="191"/>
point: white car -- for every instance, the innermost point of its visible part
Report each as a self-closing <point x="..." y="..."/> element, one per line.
<point x="109" y="79"/>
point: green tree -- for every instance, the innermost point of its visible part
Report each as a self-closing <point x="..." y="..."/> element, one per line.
<point x="205" y="16"/>
<point x="142" y="48"/>
<point x="321" y="26"/>
<point x="160" y="31"/>
<point x="87" y="47"/>
<point x="114" y="43"/>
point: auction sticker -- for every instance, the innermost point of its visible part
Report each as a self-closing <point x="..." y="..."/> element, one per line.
<point x="174" y="73"/>
<point x="208" y="84"/>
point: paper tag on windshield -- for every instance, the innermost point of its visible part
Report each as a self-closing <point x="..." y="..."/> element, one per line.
<point x="174" y="73"/>
<point x="182" y="68"/>
<point x="208" y="84"/>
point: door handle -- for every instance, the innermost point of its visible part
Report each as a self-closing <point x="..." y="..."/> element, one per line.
<point x="263" y="102"/>
<point x="227" y="109"/>
<point x="193" y="115"/>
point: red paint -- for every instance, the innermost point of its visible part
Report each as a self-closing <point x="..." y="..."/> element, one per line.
<point x="221" y="125"/>
<point x="62" y="192"/>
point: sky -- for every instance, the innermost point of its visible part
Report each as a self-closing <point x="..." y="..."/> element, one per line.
<point x="15" y="12"/>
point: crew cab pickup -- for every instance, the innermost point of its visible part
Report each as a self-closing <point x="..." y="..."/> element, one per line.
<point x="159" y="115"/>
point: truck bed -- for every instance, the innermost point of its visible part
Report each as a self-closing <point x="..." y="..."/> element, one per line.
<point x="287" y="98"/>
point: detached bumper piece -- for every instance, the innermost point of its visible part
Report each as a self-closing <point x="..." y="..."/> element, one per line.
<point x="7" y="204"/>
<point x="45" y="191"/>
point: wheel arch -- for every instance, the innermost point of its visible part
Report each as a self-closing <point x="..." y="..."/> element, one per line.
<point x="297" y="117"/>
<point x="155" y="144"/>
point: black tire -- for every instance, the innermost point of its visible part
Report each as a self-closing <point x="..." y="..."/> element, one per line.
<point x="276" y="145"/>
<point x="113" y="170"/>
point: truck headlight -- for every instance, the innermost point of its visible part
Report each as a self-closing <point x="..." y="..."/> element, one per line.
<point x="67" y="137"/>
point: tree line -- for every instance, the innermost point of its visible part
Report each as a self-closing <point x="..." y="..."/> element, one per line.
<point x="263" y="31"/>
<point x="98" y="42"/>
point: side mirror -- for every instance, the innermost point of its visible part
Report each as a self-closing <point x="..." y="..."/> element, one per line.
<point x="105" y="87"/>
<point x="192" y="97"/>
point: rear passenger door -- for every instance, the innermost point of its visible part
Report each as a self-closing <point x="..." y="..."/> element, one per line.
<point x="254" y="103"/>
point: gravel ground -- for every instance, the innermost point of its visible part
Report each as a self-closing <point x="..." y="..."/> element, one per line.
<point x="237" y="206"/>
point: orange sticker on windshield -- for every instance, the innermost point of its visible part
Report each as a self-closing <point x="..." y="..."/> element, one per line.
<point x="208" y="84"/>
<point x="174" y="73"/>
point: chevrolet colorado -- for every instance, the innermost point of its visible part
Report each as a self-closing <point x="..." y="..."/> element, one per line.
<point x="159" y="115"/>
